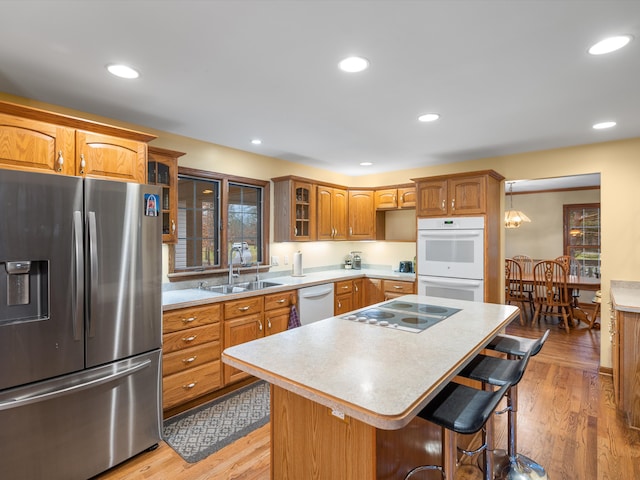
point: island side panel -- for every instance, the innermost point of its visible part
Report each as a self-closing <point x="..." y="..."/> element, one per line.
<point x="308" y="442"/>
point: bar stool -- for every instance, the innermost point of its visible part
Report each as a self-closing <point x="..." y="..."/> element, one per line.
<point x="512" y="465"/>
<point x="458" y="409"/>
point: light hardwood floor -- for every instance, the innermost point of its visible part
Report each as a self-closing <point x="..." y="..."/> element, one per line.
<point x="567" y="422"/>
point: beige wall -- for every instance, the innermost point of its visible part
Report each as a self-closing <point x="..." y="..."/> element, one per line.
<point x="617" y="162"/>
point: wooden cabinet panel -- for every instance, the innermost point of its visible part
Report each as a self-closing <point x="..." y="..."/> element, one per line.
<point x="343" y="287"/>
<point x="331" y="218"/>
<point x="358" y="293"/>
<point x="27" y="144"/>
<point x="343" y="304"/>
<point x="397" y="288"/>
<point x="186" y="358"/>
<point x="407" y="197"/>
<point x="373" y="291"/>
<point x="276" y="321"/>
<point x="190" y="337"/>
<point x="295" y="213"/>
<point x="432" y="198"/>
<point x="243" y="307"/>
<point x="362" y="215"/>
<point x="468" y="195"/>
<point x="236" y="332"/>
<point x="162" y="170"/>
<point x="279" y="300"/>
<point x="184" y="386"/>
<point x="175" y="320"/>
<point x="625" y="331"/>
<point x="106" y="156"/>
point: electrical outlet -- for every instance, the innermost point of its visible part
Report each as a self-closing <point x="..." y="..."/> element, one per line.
<point x="275" y="260"/>
<point x="286" y="259"/>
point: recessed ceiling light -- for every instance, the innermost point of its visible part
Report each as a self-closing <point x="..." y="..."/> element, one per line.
<point x="603" y="125"/>
<point x="122" y="71"/>
<point x="256" y="141"/>
<point x="366" y="164"/>
<point x="610" y="44"/>
<point x="354" y="64"/>
<point x="429" y="117"/>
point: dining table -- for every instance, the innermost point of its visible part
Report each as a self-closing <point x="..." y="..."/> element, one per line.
<point x="574" y="282"/>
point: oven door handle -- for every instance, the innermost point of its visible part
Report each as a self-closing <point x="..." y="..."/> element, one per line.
<point x="450" y="233"/>
<point x="452" y="282"/>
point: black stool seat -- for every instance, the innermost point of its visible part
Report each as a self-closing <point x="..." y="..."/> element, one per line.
<point x="518" y="346"/>
<point x="496" y="371"/>
<point x="462" y="409"/>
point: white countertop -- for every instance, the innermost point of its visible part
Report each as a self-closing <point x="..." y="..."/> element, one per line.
<point x="378" y="375"/>
<point x="188" y="297"/>
<point x="626" y="295"/>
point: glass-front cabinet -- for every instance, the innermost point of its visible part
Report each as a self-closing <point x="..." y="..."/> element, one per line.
<point x="295" y="209"/>
<point x="162" y="169"/>
<point x="582" y="234"/>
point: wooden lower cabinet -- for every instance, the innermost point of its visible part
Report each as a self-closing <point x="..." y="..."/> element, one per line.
<point x="344" y="448"/>
<point x="625" y="329"/>
<point x="277" y="311"/>
<point x="397" y="288"/>
<point x="237" y="331"/>
<point x="373" y="291"/>
<point x="191" y="348"/>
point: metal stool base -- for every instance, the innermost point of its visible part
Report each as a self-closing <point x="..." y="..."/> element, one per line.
<point x="523" y="468"/>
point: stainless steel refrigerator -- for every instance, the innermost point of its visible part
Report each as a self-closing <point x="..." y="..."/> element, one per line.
<point x="80" y="324"/>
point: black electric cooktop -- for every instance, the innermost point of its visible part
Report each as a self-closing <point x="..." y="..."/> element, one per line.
<point x="407" y="316"/>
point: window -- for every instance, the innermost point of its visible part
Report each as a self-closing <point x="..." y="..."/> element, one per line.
<point x="220" y="218"/>
<point x="582" y="237"/>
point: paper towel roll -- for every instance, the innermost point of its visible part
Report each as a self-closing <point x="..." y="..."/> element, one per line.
<point x="297" y="264"/>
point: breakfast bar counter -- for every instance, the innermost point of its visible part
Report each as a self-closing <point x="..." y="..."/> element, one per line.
<point x="339" y="384"/>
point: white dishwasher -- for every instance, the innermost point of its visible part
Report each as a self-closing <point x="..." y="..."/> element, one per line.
<point x="315" y="303"/>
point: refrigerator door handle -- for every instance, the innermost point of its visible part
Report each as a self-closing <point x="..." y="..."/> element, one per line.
<point x="93" y="271"/>
<point x="78" y="290"/>
<point x="40" y="397"/>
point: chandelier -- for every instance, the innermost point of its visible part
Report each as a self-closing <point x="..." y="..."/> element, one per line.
<point x="513" y="218"/>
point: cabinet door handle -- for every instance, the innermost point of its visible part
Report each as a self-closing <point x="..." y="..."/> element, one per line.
<point x="244" y="309"/>
<point x="350" y="230"/>
<point x="295" y="231"/>
<point x="259" y="325"/>
<point x="189" y="320"/>
<point x="60" y="161"/>
<point x="189" y="386"/>
<point x="443" y="204"/>
<point x="173" y="226"/>
<point x="189" y="339"/>
<point x="269" y="323"/>
<point x="453" y="204"/>
<point x="82" y="163"/>
<point x="355" y="287"/>
<point x="339" y="304"/>
<point x="190" y="359"/>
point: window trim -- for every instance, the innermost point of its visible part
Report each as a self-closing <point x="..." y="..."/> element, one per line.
<point x="224" y="180"/>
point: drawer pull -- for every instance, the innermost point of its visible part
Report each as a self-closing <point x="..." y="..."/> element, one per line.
<point x="243" y="309"/>
<point x="345" y="287"/>
<point x="189" y="386"/>
<point x="189" y="320"/>
<point x="189" y="360"/>
<point x="282" y="300"/>
<point x="397" y="287"/>
<point x="189" y="339"/>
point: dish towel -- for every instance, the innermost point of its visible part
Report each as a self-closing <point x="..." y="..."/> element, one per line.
<point x="294" y="320"/>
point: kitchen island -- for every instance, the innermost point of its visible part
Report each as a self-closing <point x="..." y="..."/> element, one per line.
<point x="345" y="393"/>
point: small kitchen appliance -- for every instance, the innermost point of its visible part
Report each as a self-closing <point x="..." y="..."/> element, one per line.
<point x="357" y="260"/>
<point x="406" y="267"/>
<point x="401" y="315"/>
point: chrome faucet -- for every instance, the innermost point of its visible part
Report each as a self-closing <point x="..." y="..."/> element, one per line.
<point x="231" y="274"/>
<point x="257" y="271"/>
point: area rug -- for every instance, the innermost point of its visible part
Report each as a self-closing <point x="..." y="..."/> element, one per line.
<point x="199" y="432"/>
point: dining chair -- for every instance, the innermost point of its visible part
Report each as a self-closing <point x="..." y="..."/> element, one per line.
<point x="513" y="288"/>
<point x="526" y="264"/>
<point x="550" y="291"/>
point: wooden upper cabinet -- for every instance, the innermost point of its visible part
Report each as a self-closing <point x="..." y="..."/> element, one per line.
<point x="394" y="198"/>
<point x="463" y="194"/>
<point x="38" y="140"/>
<point x="295" y="209"/>
<point x="27" y="144"/>
<point x="106" y="156"/>
<point x="362" y="215"/>
<point x="331" y="218"/>
<point x="162" y="170"/>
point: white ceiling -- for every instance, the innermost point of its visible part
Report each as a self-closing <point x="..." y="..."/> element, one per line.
<point x="506" y="76"/>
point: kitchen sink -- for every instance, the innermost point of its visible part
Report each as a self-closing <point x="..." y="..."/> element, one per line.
<point x="240" y="287"/>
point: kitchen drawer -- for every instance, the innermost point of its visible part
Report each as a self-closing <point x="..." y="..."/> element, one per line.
<point x="195" y="382"/>
<point x="343" y="287"/>
<point x="175" y="320"/>
<point x="279" y="300"/>
<point x="240" y="308"/>
<point x="394" y="286"/>
<point x="190" y="338"/>
<point x="191" y="357"/>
